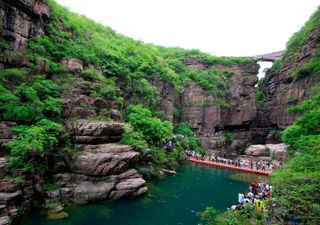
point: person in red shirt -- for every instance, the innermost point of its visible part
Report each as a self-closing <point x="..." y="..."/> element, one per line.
<point x="268" y="194"/>
<point x="254" y="186"/>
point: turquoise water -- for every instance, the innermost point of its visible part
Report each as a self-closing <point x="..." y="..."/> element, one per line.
<point x="171" y="201"/>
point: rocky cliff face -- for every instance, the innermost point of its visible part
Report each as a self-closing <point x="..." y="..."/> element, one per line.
<point x="19" y="21"/>
<point x="195" y="106"/>
<point x="282" y="92"/>
<point x="103" y="169"/>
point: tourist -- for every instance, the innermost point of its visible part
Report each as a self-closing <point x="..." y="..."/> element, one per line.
<point x="254" y="186"/>
<point x="240" y="198"/>
<point x="250" y="195"/>
<point x="268" y="194"/>
<point x="266" y="216"/>
<point x="259" y="207"/>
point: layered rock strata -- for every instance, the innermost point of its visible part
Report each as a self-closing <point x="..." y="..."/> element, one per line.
<point x="101" y="170"/>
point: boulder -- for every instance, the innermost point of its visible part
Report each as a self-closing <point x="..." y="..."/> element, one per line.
<point x="5" y="220"/>
<point x="278" y="151"/>
<point x="105" y="159"/>
<point x="89" y="132"/>
<point x="6" y="197"/>
<point x="129" y="187"/>
<point x="257" y="150"/>
<point x="72" y="65"/>
<point x="86" y="192"/>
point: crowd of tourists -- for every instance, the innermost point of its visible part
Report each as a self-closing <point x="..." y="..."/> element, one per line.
<point x="258" y="192"/>
<point x="262" y="165"/>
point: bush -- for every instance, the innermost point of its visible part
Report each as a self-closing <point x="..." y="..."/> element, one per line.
<point x="228" y="136"/>
<point x="134" y="138"/>
<point x="49" y="187"/>
<point x="259" y="96"/>
<point x="188" y="139"/>
<point x="30" y="104"/>
<point x="308" y="69"/>
<point x="12" y="76"/>
<point x="32" y="142"/>
<point x="153" y="129"/>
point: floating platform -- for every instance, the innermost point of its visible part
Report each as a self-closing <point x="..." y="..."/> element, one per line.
<point x="230" y="167"/>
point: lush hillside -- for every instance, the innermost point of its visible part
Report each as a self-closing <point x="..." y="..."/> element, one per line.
<point x="76" y="54"/>
<point x="305" y="40"/>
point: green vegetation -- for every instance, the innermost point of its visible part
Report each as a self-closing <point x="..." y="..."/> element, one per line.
<point x="117" y="69"/>
<point x="32" y="142"/>
<point x="49" y="187"/>
<point x="299" y="41"/>
<point x="297" y="187"/>
<point x="228" y="136"/>
<point x="213" y="81"/>
<point x="35" y="103"/>
<point x="310" y="68"/>
<point x="186" y="137"/>
<point x="247" y="215"/>
<point x="30" y="103"/>
<point x="260" y="92"/>
<point x="146" y="131"/>
<point x="153" y="129"/>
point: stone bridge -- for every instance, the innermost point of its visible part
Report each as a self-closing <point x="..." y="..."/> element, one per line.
<point x="270" y="57"/>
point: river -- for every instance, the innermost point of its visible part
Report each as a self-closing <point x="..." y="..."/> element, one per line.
<point x="174" y="200"/>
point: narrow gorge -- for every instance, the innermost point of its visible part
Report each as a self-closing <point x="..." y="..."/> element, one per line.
<point x="84" y="111"/>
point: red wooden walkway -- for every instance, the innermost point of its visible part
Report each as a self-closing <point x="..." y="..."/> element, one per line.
<point x="230" y="167"/>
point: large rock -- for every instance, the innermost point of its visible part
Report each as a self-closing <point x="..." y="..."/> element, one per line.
<point x="278" y="151"/>
<point x="90" y="132"/>
<point x="99" y="172"/>
<point x="106" y="159"/>
<point x="135" y="186"/>
<point x="72" y="65"/>
<point x="257" y="150"/>
<point x="82" y="189"/>
<point x="21" y="20"/>
<point x="86" y="192"/>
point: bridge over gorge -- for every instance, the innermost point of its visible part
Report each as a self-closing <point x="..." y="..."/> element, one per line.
<point x="270" y="57"/>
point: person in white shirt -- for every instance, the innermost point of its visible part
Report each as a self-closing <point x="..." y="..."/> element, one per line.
<point x="240" y="198"/>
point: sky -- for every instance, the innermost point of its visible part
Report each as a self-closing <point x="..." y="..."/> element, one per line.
<point x="219" y="27"/>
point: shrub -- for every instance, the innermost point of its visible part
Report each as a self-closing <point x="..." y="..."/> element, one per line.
<point x="49" y="186"/>
<point x="18" y="180"/>
<point x="153" y="129"/>
<point x="188" y="140"/>
<point x="184" y="129"/>
<point x="12" y="76"/>
<point x="30" y="104"/>
<point x="32" y="141"/>
<point x="134" y="138"/>
<point x="308" y="69"/>
<point x="259" y="96"/>
<point x="228" y="136"/>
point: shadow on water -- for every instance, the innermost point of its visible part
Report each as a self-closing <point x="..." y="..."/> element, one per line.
<point x="171" y="201"/>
